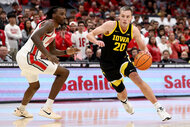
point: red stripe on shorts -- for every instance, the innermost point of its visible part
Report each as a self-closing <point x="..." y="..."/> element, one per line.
<point x="34" y="62"/>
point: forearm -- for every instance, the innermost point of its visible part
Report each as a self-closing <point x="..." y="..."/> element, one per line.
<point x="10" y="35"/>
<point x="14" y="36"/>
<point x="18" y="36"/>
<point x="57" y="52"/>
<point x="143" y="47"/>
<point x="91" y="38"/>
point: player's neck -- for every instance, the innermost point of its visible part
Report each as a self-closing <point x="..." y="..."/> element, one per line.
<point x="123" y="28"/>
<point x="55" y="23"/>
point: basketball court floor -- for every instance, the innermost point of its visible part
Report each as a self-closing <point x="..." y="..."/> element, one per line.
<point x="101" y="113"/>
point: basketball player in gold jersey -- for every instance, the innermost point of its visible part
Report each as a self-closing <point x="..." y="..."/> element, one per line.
<point x="115" y="61"/>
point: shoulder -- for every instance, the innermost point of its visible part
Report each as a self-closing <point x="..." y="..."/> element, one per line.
<point x="110" y="23"/>
<point x="16" y="26"/>
<point x="75" y="33"/>
<point x="85" y="33"/>
<point x="109" y="26"/>
<point x="48" y="24"/>
<point x="7" y="26"/>
<point x="136" y="32"/>
<point x="135" y="29"/>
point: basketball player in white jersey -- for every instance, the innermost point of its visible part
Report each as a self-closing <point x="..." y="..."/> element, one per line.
<point x="31" y="65"/>
<point x="80" y="41"/>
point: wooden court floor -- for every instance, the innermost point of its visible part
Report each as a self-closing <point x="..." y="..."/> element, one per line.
<point x="101" y="113"/>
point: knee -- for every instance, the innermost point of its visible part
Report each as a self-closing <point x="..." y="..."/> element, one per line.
<point x="134" y="75"/>
<point x="64" y="73"/>
<point x="118" y="87"/>
<point x="122" y="95"/>
<point x="136" y="78"/>
<point x="67" y="72"/>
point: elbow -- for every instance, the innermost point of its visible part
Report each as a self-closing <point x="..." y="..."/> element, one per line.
<point x="52" y="51"/>
<point x="33" y="37"/>
<point x="88" y="35"/>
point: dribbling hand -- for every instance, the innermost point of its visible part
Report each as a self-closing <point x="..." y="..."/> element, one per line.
<point x="146" y="52"/>
<point x="100" y="43"/>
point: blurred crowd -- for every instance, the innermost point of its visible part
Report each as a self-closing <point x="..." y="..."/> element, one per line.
<point x="164" y="27"/>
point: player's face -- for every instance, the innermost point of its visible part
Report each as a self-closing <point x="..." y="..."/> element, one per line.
<point x="125" y="18"/>
<point x="61" y="15"/>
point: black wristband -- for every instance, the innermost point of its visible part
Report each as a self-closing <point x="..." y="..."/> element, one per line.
<point x="65" y="52"/>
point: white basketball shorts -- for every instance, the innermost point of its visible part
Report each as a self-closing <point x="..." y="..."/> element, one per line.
<point x="31" y="66"/>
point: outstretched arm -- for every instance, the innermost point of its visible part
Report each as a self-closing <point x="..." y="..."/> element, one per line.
<point x="68" y="51"/>
<point x="137" y="37"/>
<point x="104" y="28"/>
<point x="47" y="27"/>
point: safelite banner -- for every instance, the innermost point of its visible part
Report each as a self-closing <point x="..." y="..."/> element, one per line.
<point x="90" y="83"/>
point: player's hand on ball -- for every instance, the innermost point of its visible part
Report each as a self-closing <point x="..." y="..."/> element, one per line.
<point x="72" y="50"/>
<point x="146" y="52"/>
<point x="100" y="43"/>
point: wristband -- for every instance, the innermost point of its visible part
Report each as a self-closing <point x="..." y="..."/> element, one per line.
<point x="65" y="52"/>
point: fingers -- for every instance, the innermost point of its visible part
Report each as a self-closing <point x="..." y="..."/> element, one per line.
<point x="101" y="44"/>
<point x="76" y="49"/>
<point x="72" y="50"/>
<point x="57" y="60"/>
<point x="54" y="60"/>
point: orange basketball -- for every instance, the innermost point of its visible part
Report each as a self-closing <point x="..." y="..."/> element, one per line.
<point x="142" y="61"/>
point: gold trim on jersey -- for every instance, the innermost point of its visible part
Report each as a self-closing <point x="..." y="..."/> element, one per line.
<point x="122" y="30"/>
<point x="131" y="31"/>
<point x="112" y="30"/>
<point x="128" y="57"/>
<point x="123" y="67"/>
<point x="117" y="82"/>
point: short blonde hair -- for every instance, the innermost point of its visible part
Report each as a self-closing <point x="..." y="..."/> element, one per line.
<point x="126" y="8"/>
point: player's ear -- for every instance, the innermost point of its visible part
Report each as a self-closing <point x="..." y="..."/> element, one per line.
<point x="132" y="18"/>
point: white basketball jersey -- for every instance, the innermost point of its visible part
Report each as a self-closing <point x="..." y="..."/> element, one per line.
<point x="80" y="41"/>
<point x="31" y="48"/>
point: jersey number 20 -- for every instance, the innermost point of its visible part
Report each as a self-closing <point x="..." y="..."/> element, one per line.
<point x="119" y="46"/>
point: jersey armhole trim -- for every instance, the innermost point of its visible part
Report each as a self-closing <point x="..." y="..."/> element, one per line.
<point x="131" y="31"/>
<point x="122" y="30"/>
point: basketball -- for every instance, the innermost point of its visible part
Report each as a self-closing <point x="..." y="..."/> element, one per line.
<point x="142" y="61"/>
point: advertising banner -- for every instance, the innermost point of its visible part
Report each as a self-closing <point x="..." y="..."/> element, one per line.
<point x="90" y="83"/>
